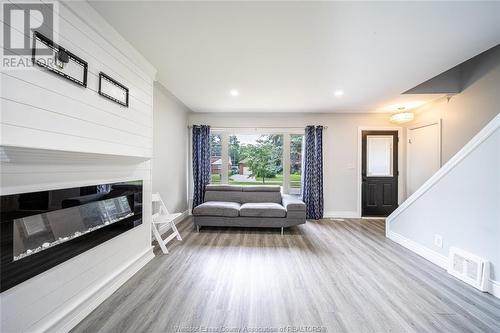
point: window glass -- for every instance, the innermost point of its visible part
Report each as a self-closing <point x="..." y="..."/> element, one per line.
<point x="256" y="159"/>
<point x="379" y="155"/>
<point x="215" y="158"/>
<point x="295" y="163"/>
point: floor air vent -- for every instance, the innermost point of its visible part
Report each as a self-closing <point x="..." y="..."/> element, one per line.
<point x="469" y="268"/>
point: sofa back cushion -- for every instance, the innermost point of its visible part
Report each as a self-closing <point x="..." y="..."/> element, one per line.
<point x="243" y="194"/>
<point x="228" y="196"/>
<point x="257" y="196"/>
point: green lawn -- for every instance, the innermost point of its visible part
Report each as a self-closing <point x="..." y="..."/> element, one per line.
<point x="278" y="180"/>
<point x="215" y="179"/>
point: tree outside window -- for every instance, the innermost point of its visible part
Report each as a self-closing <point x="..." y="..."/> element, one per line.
<point x="256" y="159"/>
<point x="296" y="141"/>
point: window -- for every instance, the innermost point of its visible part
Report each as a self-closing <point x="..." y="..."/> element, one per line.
<point x="295" y="163"/>
<point x="379" y="156"/>
<point x="256" y="159"/>
<point x="215" y="159"/>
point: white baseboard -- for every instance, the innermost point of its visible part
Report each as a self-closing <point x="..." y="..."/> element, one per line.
<point x="92" y="298"/>
<point x="164" y="228"/>
<point x="341" y="214"/>
<point x="495" y="288"/>
<point x="432" y="256"/>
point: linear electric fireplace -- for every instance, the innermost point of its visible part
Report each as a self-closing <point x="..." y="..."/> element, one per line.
<point x="40" y="230"/>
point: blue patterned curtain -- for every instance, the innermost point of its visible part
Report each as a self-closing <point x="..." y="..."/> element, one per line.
<point x="312" y="180"/>
<point x="201" y="162"/>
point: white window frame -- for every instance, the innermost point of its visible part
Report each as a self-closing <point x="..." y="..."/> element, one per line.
<point x="226" y="132"/>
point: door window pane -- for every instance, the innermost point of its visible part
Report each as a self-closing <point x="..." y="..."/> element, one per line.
<point x="379" y="155"/>
<point x="215" y="158"/>
<point x="256" y="159"/>
<point x="295" y="163"/>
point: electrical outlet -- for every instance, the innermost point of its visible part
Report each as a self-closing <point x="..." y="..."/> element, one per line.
<point x="438" y="240"/>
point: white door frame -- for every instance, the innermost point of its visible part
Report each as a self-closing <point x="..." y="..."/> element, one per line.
<point x="401" y="183"/>
<point x="408" y="145"/>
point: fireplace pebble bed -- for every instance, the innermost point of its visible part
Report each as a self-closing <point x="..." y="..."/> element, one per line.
<point x="47" y="245"/>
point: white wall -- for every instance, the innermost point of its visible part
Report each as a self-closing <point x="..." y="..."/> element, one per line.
<point x="469" y="111"/>
<point x="461" y="203"/>
<point x="56" y="134"/>
<point x="340" y="148"/>
<point x="42" y="110"/>
<point x="170" y="154"/>
<point x="463" y="206"/>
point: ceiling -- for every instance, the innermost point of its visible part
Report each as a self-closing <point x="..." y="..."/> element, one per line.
<point x="293" y="56"/>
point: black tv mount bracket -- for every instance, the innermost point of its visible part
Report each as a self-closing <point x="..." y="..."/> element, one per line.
<point x="62" y="58"/>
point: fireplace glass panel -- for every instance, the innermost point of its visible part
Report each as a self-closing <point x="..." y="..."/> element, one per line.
<point x="36" y="233"/>
<point x="40" y="230"/>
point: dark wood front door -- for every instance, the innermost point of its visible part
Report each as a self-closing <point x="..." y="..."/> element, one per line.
<point x="379" y="172"/>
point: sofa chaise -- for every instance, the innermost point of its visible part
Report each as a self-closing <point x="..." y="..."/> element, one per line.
<point x="249" y="206"/>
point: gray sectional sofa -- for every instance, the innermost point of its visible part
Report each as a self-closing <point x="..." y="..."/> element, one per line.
<point x="249" y="206"/>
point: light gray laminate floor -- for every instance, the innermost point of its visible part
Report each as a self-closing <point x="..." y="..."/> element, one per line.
<point x="338" y="276"/>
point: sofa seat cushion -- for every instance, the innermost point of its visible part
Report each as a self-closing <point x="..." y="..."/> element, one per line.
<point x="217" y="208"/>
<point x="262" y="209"/>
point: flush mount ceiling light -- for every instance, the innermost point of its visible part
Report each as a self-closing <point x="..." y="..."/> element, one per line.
<point x="234" y="92"/>
<point x="338" y="93"/>
<point x="402" y="116"/>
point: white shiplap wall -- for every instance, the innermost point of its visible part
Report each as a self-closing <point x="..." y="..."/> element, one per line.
<point x="42" y="110"/>
<point x="56" y="134"/>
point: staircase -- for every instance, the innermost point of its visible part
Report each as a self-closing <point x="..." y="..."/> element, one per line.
<point x="459" y="206"/>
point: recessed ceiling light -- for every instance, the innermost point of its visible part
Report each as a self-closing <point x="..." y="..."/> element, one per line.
<point x="338" y="93"/>
<point x="234" y="92"/>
